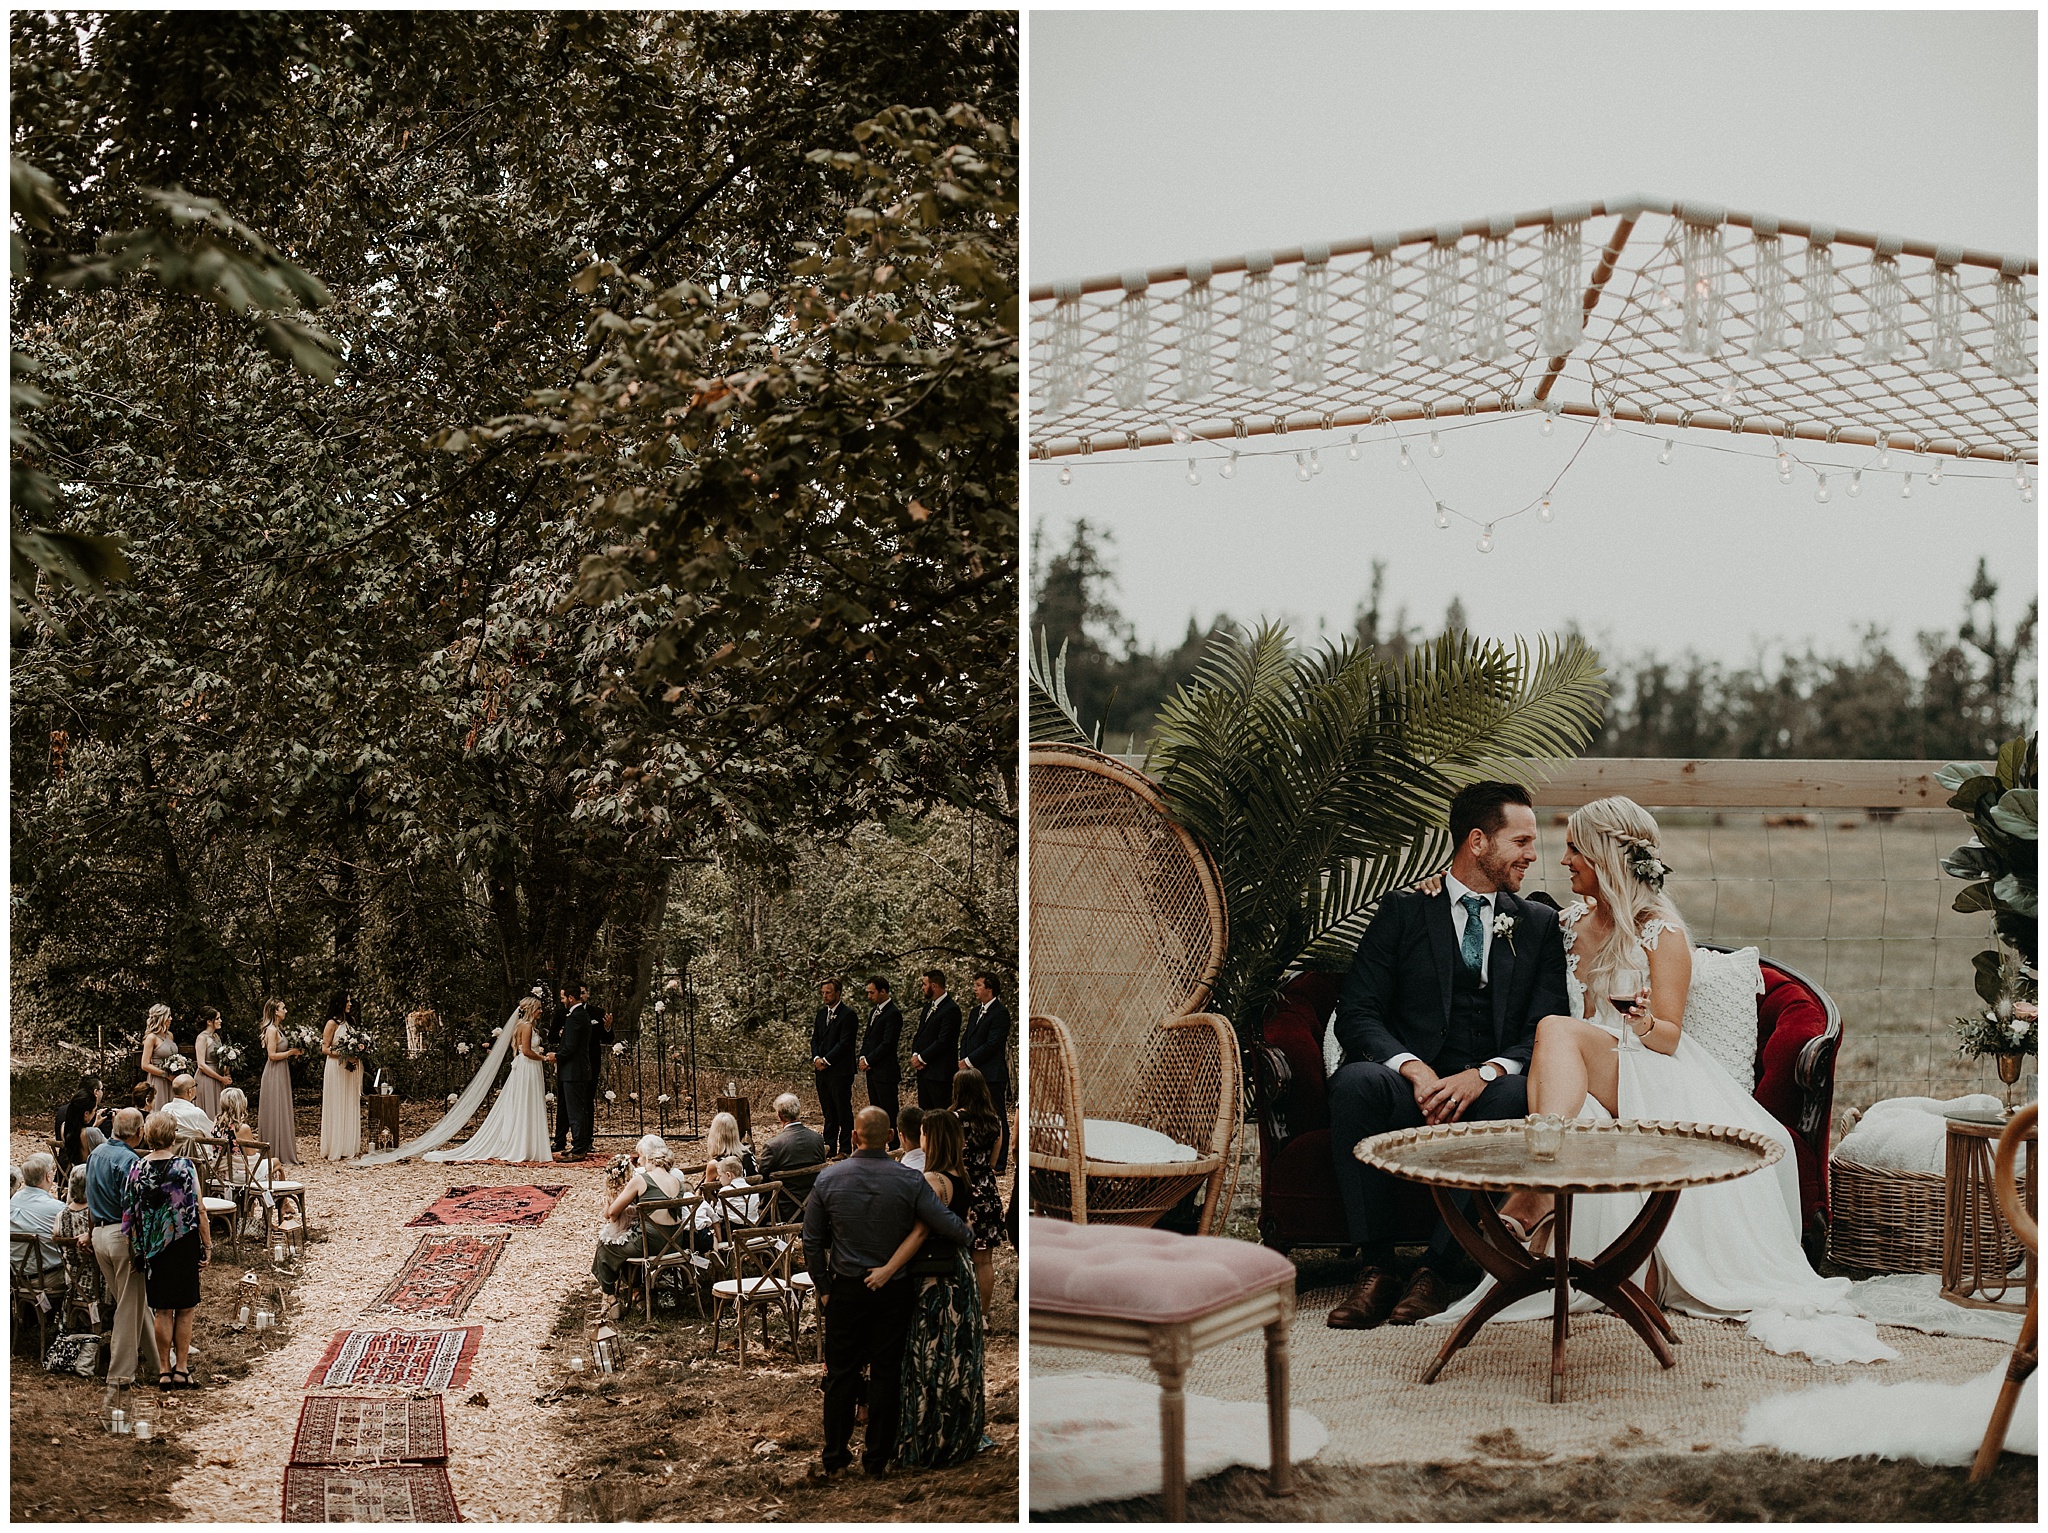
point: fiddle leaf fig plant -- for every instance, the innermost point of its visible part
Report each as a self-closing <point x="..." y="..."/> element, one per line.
<point x="2001" y="859"/>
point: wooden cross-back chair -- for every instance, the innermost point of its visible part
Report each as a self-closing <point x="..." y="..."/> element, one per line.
<point x="667" y="1246"/>
<point x="1127" y="935"/>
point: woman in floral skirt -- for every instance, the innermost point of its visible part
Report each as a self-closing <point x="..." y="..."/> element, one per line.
<point x="944" y="1414"/>
<point x="983" y="1131"/>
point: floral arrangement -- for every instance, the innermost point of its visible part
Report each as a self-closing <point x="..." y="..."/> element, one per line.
<point x="618" y="1048"/>
<point x="351" y="1042"/>
<point x="1645" y="862"/>
<point x="301" y="1037"/>
<point x="226" y="1056"/>
<point x="176" y="1066"/>
<point x="2011" y="1024"/>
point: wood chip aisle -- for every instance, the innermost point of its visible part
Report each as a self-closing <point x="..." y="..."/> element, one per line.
<point x="500" y="1442"/>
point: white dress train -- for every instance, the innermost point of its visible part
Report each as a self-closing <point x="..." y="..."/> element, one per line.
<point x="517" y="1128"/>
<point x="1731" y="1251"/>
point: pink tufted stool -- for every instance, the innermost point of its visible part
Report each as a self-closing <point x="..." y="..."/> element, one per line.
<point x="1150" y="1293"/>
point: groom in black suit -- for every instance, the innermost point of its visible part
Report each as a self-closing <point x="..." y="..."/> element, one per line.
<point x="1437" y="1020"/>
<point x="578" y="1051"/>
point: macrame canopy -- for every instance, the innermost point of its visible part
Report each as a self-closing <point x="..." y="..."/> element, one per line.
<point x="1692" y="316"/>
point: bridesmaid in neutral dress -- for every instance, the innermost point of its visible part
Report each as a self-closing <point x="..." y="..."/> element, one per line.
<point x="212" y="1077"/>
<point x="341" y="1095"/>
<point x="158" y="1046"/>
<point x="274" y="1121"/>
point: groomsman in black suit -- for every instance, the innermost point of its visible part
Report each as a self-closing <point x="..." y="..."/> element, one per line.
<point x="832" y="1056"/>
<point x="878" y="1061"/>
<point x="985" y="1046"/>
<point x="935" y="1051"/>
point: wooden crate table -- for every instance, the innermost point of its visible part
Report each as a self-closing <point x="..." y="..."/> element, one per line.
<point x="1164" y="1297"/>
<point x="742" y="1110"/>
<point x="1982" y="1261"/>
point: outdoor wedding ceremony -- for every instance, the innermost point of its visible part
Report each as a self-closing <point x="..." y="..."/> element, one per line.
<point x="1573" y="1059"/>
<point x="515" y="767"/>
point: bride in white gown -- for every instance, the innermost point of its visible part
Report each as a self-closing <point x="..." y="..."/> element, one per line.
<point x="517" y="1127"/>
<point x="1731" y="1250"/>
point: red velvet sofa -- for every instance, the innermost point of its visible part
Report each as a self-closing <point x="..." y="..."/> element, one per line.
<point x="1798" y="1032"/>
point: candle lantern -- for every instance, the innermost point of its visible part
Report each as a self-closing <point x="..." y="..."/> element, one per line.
<point x="604" y="1350"/>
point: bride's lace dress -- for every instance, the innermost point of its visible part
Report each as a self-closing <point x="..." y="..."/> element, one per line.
<point x="1732" y="1250"/>
<point x="517" y="1127"/>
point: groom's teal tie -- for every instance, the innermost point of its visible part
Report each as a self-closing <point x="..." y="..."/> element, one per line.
<point x="1473" y="948"/>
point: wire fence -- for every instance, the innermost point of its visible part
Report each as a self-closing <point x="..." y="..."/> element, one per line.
<point x="1854" y="899"/>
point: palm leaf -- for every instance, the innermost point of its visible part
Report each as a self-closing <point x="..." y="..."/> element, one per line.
<point x="1053" y="716"/>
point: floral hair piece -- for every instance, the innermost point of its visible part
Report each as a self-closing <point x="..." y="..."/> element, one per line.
<point x="1644" y="862"/>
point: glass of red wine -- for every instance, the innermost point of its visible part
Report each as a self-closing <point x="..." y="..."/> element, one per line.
<point x="1624" y="986"/>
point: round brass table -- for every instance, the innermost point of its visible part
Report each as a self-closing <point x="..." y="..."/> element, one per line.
<point x="1658" y="1158"/>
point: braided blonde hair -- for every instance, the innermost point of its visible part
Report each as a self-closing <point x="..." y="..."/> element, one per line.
<point x="1619" y="838"/>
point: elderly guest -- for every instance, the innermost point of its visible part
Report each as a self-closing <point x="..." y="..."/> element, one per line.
<point x="795" y="1147"/>
<point x="858" y="1214"/>
<point x="34" y="1210"/>
<point x="168" y="1232"/>
<point x="655" y="1180"/>
<point x="106" y="1179"/>
<point x="184" y="1108"/>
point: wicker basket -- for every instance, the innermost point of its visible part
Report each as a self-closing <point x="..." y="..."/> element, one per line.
<point x="1885" y="1221"/>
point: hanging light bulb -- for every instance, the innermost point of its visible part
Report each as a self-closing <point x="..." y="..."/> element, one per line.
<point x="1934" y="468"/>
<point x="1443" y="518"/>
<point x="1486" y="539"/>
<point x="1181" y="434"/>
<point x="1315" y="460"/>
<point x="1545" y="511"/>
<point x="1549" y="422"/>
<point x="1066" y="474"/>
<point x="1884" y="449"/>
<point x="1607" y="417"/>
<point x="1229" y="469"/>
<point x="1784" y="461"/>
<point x="2027" y="495"/>
<point x="1436" y="445"/>
<point x="1194" y="473"/>
<point x="1728" y="395"/>
<point x="1906" y="488"/>
<point x="1785" y="472"/>
<point x="1821" y="492"/>
<point x="1301" y="468"/>
<point x="1856" y="482"/>
<point x="1405" y="463"/>
<point x="1351" y="451"/>
<point x="2019" y="472"/>
<point x="1665" y="455"/>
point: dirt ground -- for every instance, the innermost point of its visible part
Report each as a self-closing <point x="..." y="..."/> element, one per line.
<point x="1722" y="1487"/>
<point x="66" y="1467"/>
<point x="680" y="1434"/>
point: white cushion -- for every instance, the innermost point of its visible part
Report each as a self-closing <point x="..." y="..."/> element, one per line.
<point x="1907" y="1133"/>
<point x="287" y="1187"/>
<point x="1128" y="1144"/>
<point x="1720" y="1009"/>
<point x="801" y="1280"/>
<point x="218" y="1205"/>
<point x="756" y="1287"/>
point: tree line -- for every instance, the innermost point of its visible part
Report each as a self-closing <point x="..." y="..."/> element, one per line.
<point x="1954" y="695"/>
<point x="631" y="493"/>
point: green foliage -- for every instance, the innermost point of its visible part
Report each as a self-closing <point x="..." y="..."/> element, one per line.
<point x="2002" y="858"/>
<point x="1054" y="718"/>
<point x="1320" y="781"/>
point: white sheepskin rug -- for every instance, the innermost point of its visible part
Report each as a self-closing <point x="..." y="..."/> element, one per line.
<point x="1095" y="1437"/>
<point x="1933" y="1423"/>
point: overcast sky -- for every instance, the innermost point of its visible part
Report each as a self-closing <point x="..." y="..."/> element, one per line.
<point x="1161" y="136"/>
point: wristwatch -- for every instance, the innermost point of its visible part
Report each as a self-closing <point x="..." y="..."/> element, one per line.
<point x="1489" y="1072"/>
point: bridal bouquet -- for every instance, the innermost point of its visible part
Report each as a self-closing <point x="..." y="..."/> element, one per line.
<point x="351" y="1042"/>
<point x="227" y="1056"/>
<point x="176" y="1066"/>
<point x="307" y="1038"/>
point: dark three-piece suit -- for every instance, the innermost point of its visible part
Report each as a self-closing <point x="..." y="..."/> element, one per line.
<point x="938" y="1044"/>
<point x="832" y="1040"/>
<point x="878" y="1045"/>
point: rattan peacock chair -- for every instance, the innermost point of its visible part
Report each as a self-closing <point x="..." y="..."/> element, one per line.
<point x="1127" y="934"/>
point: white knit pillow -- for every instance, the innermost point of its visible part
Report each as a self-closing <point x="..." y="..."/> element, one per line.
<point x="1720" y="1009"/>
<point x="1128" y="1144"/>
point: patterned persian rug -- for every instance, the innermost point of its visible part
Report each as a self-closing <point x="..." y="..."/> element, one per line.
<point x="366" y="1493"/>
<point x="352" y="1429"/>
<point x="441" y="1276"/>
<point x="518" y="1206"/>
<point x="397" y="1359"/>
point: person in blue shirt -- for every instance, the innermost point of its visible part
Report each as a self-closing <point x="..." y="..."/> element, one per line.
<point x="106" y="1176"/>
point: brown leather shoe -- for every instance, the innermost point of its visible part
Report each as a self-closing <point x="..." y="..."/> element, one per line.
<point x="1376" y="1291"/>
<point x="1425" y="1297"/>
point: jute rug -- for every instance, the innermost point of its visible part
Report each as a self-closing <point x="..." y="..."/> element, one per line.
<point x="360" y="1429"/>
<point x="441" y="1276"/>
<point x="362" y="1493"/>
<point x="518" y="1206"/>
<point x="397" y="1359"/>
<point x="1491" y="1402"/>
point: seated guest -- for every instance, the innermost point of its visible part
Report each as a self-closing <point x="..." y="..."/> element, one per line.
<point x="910" y="1130"/>
<point x="34" y="1210"/>
<point x="168" y="1232"/>
<point x="653" y="1181"/>
<point x="73" y="1119"/>
<point x="184" y="1108"/>
<point x="75" y="1223"/>
<point x="732" y="1176"/>
<point x="90" y="1140"/>
<point x="233" y="1122"/>
<point x="13" y="1180"/>
<point x="795" y="1146"/>
<point x="724" y="1139"/>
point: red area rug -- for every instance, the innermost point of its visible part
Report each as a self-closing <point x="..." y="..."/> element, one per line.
<point x="357" y="1429"/>
<point x="397" y="1359"/>
<point x="365" y="1493"/>
<point x="441" y="1276"/>
<point x="519" y="1206"/>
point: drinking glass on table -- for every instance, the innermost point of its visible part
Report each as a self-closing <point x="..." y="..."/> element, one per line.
<point x="1625" y="991"/>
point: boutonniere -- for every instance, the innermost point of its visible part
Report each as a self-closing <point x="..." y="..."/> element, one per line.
<point x="1504" y="926"/>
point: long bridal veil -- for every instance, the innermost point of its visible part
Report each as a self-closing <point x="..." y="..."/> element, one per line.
<point x="456" y="1119"/>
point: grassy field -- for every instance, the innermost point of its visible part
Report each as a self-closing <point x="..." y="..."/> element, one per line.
<point x="1860" y="905"/>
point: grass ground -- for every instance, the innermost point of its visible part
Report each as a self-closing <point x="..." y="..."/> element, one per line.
<point x="1722" y="1487"/>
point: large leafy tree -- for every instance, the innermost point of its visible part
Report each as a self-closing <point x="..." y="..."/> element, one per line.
<point x="351" y="677"/>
